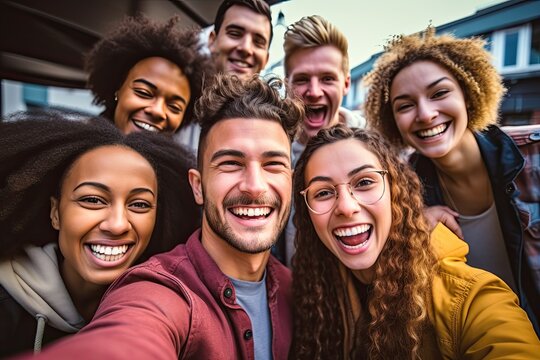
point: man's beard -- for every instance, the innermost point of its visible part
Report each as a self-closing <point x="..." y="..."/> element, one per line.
<point x="256" y="243"/>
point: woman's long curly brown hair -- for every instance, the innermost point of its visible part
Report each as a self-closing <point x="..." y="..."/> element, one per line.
<point x="396" y="314"/>
<point x="466" y="59"/>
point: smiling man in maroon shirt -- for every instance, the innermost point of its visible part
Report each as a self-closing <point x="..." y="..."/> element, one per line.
<point x="221" y="295"/>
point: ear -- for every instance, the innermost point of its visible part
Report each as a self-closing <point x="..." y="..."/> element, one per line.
<point x="347" y="84"/>
<point x="55" y="219"/>
<point x="195" y="181"/>
<point x="211" y="40"/>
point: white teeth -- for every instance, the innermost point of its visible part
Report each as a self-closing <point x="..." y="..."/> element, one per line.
<point x="433" y="131"/>
<point x="241" y="63"/>
<point x="341" y="232"/>
<point x="102" y="252"/>
<point x="244" y="211"/>
<point x="146" y="126"/>
<point x="353" y="247"/>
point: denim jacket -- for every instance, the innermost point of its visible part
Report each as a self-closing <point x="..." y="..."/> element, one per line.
<point x="504" y="162"/>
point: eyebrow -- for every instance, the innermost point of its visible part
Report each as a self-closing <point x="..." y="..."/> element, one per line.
<point x="350" y="174"/>
<point x="239" y="154"/>
<point x="243" y="29"/>
<point x="108" y="189"/>
<point x="154" y="87"/>
<point x="434" y="83"/>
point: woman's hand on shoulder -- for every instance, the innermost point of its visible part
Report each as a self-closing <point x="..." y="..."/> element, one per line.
<point x="439" y="213"/>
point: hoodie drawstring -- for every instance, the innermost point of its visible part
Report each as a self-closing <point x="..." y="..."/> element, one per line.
<point x="40" y="329"/>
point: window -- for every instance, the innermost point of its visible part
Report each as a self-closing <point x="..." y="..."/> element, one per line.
<point x="534" y="57"/>
<point x="517" y="49"/>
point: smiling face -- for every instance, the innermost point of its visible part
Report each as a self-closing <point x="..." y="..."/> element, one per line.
<point x="241" y="46"/>
<point x="429" y="108"/>
<point x="316" y="75"/>
<point x="354" y="233"/>
<point x="245" y="185"/>
<point x="105" y="214"/>
<point x="153" y="97"/>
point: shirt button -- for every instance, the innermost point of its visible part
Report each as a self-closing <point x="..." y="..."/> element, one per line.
<point x="510" y="189"/>
<point x="227" y="293"/>
<point x="248" y="334"/>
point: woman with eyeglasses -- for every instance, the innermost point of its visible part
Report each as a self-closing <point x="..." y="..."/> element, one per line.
<point x="369" y="283"/>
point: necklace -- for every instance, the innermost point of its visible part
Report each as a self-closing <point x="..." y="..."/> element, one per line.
<point x="448" y="195"/>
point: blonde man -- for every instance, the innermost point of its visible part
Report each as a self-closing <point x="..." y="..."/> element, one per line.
<point x="317" y="68"/>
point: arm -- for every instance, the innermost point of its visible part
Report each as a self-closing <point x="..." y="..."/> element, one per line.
<point x="138" y="320"/>
<point x="492" y="324"/>
<point x="445" y="215"/>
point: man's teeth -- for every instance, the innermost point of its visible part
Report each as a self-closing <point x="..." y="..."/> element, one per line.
<point x="109" y="253"/>
<point x="245" y="211"/>
<point x="146" y="126"/>
<point x="240" y="63"/>
<point x="433" y="131"/>
<point x="341" y="232"/>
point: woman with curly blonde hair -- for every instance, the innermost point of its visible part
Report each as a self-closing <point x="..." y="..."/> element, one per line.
<point x="367" y="280"/>
<point x="441" y="96"/>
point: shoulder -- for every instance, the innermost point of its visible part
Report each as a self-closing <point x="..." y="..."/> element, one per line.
<point x="476" y="314"/>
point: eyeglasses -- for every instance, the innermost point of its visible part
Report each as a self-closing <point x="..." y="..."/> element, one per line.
<point x="366" y="187"/>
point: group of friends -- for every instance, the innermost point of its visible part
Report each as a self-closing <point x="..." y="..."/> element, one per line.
<point x="116" y="233"/>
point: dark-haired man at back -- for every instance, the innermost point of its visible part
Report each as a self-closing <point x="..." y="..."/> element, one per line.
<point x="241" y="37"/>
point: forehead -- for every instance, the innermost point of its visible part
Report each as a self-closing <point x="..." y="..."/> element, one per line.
<point x="337" y="159"/>
<point x="250" y="136"/>
<point x="248" y="19"/>
<point x="111" y="163"/>
<point x="424" y="72"/>
<point x="155" y="66"/>
<point x="318" y="60"/>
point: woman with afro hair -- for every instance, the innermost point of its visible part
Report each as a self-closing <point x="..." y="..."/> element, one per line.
<point x="80" y="203"/>
<point x="148" y="75"/>
<point x="440" y="95"/>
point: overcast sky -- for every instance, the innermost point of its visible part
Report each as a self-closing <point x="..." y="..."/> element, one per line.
<point x="368" y="23"/>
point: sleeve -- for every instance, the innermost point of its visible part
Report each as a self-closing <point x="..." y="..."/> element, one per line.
<point x="140" y="320"/>
<point x="493" y="325"/>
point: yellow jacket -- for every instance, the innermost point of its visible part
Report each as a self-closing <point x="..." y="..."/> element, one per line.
<point x="474" y="313"/>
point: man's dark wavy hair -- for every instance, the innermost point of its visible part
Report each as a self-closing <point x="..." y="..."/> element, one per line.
<point x="37" y="150"/>
<point x="138" y="38"/>
<point x="256" y="98"/>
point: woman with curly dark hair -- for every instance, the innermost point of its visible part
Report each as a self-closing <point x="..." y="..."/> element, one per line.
<point x="368" y="282"/>
<point x="80" y="202"/>
<point x="148" y="75"/>
<point x="441" y="96"/>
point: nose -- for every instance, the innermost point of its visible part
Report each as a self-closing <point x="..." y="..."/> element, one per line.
<point x="346" y="203"/>
<point x="314" y="89"/>
<point x="245" y="45"/>
<point x="254" y="182"/>
<point x="116" y="221"/>
<point x="157" y="109"/>
<point x="426" y="111"/>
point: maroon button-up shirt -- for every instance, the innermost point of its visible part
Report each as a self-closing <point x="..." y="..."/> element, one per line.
<point x="179" y="305"/>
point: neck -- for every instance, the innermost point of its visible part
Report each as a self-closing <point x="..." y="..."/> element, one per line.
<point x="85" y="296"/>
<point x="231" y="261"/>
<point x="463" y="161"/>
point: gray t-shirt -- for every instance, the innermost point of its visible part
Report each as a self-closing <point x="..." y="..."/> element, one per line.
<point x="487" y="249"/>
<point x="252" y="298"/>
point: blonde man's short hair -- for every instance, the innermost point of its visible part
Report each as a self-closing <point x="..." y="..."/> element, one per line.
<point x="466" y="59"/>
<point x="314" y="31"/>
